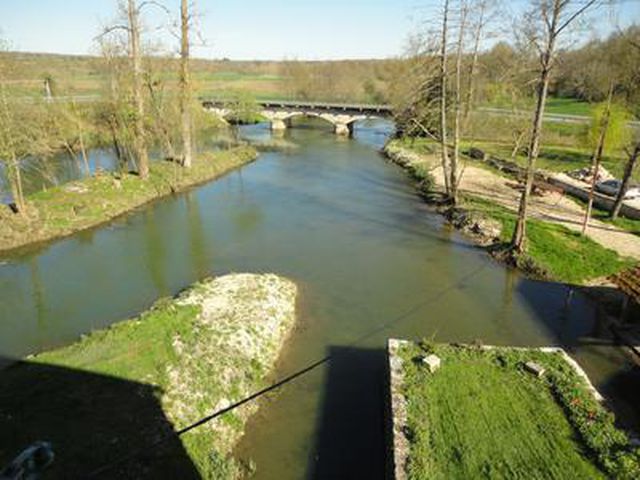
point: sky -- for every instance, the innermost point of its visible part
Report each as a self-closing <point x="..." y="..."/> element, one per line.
<point x="247" y="29"/>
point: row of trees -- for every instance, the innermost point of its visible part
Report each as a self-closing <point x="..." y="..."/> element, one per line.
<point x="446" y="73"/>
<point x="138" y="108"/>
<point x="128" y="80"/>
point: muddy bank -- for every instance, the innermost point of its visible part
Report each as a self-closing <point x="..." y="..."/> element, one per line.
<point x="91" y="202"/>
<point x="119" y="390"/>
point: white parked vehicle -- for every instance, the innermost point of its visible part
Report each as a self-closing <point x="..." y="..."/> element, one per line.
<point x="612" y="187"/>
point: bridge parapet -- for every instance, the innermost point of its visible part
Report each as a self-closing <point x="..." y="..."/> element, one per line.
<point x="280" y="113"/>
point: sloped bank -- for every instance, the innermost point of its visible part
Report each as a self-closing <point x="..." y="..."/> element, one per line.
<point x="554" y="251"/>
<point x="213" y="345"/>
<point x="83" y="204"/>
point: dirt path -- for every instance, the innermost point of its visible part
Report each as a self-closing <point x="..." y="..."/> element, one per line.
<point x="552" y="207"/>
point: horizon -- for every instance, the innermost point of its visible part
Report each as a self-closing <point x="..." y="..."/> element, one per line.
<point x="382" y="35"/>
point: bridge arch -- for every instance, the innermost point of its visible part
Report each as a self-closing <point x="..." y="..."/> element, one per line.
<point x="280" y="113"/>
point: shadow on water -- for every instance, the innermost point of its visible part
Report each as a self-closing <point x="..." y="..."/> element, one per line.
<point x="583" y="328"/>
<point x="90" y="419"/>
<point x="350" y="439"/>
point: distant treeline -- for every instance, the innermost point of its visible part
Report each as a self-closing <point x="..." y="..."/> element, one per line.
<point x="582" y="73"/>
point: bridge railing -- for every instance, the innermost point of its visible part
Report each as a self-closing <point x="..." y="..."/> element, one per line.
<point x="307" y="105"/>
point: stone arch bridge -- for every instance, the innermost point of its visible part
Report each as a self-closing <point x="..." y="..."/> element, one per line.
<point x="280" y="113"/>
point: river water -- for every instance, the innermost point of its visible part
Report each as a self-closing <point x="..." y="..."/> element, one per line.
<point x="368" y="256"/>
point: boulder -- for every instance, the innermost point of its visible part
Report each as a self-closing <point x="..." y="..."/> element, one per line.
<point x="432" y="362"/>
<point x="535" y="368"/>
<point x="477" y="154"/>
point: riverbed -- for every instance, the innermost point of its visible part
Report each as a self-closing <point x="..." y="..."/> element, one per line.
<point x="371" y="261"/>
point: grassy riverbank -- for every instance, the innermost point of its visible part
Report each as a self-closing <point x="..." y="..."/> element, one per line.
<point x="87" y="203"/>
<point x="482" y="415"/>
<point x="554" y="252"/>
<point x="120" y="389"/>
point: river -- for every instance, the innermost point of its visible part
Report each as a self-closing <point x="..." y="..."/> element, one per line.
<point x="368" y="255"/>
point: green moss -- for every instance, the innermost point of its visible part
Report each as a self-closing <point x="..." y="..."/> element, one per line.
<point x="482" y="416"/>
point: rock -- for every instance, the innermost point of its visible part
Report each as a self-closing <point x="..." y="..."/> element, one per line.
<point x="75" y="188"/>
<point x="78" y="209"/>
<point x="432" y="362"/>
<point x="535" y="368"/>
<point x="487" y="227"/>
<point x="477" y="154"/>
<point x="585" y="174"/>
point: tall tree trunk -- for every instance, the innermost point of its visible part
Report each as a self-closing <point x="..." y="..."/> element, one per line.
<point x="453" y="182"/>
<point x="15" y="180"/>
<point x="520" y="232"/>
<point x="139" y="140"/>
<point x="626" y="179"/>
<point x="185" y="89"/>
<point x="474" y="62"/>
<point x="13" y="167"/>
<point x="443" y="99"/>
<point x="159" y="124"/>
<point x="597" y="158"/>
<point x="80" y="130"/>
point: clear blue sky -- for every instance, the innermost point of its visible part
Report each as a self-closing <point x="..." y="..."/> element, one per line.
<point x="245" y="29"/>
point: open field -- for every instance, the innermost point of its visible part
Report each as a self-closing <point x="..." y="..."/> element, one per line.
<point x="482" y="415"/>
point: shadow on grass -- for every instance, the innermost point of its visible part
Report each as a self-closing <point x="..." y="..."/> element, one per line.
<point x="90" y="419"/>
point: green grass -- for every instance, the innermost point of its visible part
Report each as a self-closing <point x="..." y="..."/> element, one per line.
<point x="555" y="158"/>
<point x="553" y="250"/>
<point x="58" y="212"/>
<point x="627" y="224"/>
<point x="568" y="106"/>
<point x="482" y="416"/>
<point x="555" y="105"/>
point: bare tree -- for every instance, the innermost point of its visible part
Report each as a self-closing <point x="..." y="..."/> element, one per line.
<point x="455" y="158"/>
<point x="185" y="87"/>
<point x="597" y="156"/>
<point x="139" y="140"/>
<point x="626" y="179"/>
<point x="477" y="37"/>
<point x="443" y="97"/>
<point x="547" y="20"/>
<point x="633" y="157"/>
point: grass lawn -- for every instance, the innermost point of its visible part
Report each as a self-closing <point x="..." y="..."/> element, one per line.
<point x="559" y="253"/>
<point x="568" y="106"/>
<point x="481" y="415"/>
<point x="556" y="105"/>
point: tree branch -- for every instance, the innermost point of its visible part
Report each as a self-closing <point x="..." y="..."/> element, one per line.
<point x="579" y="12"/>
